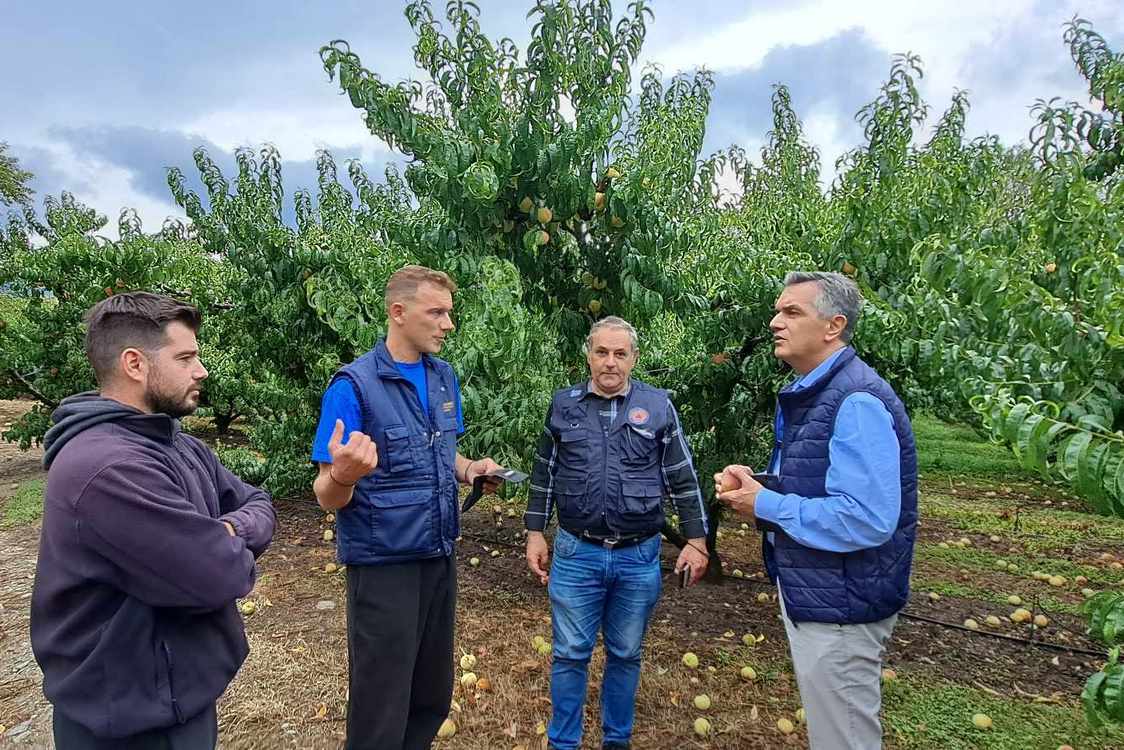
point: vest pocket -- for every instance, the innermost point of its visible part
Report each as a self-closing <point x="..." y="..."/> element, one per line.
<point x="399" y="455"/>
<point x="640" y="506"/>
<point x="573" y="447"/>
<point x="400" y="522"/>
<point x="570" y="498"/>
<point x="640" y="447"/>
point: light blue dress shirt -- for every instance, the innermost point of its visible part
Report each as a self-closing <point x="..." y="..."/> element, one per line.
<point x="863" y="484"/>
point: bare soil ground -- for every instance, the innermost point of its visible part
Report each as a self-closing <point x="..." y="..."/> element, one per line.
<point x="292" y="691"/>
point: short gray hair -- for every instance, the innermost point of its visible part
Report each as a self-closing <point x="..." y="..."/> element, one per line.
<point x="839" y="295"/>
<point x="612" y="321"/>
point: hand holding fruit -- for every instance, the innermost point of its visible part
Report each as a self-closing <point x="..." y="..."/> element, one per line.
<point x="724" y="481"/>
<point x="356" y="459"/>
<point x="736" y="487"/>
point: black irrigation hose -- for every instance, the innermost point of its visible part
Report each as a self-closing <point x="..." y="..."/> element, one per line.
<point x="488" y="540"/>
<point x="904" y="614"/>
<point x="1024" y="641"/>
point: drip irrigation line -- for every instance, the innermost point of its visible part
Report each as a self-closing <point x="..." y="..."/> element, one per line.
<point x="1023" y="641"/>
<point x="904" y="613"/>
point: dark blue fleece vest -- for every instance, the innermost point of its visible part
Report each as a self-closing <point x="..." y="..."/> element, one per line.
<point x="853" y="587"/>
<point x="609" y="476"/>
<point x="407" y="508"/>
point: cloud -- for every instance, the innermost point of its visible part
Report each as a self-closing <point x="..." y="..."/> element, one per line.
<point x="835" y="57"/>
<point x="829" y="79"/>
<point x="101" y="185"/>
<point x="893" y="25"/>
<point x="103" y="163"/>
<point x="122" y="93"/>
<point x="1025" y="61"/>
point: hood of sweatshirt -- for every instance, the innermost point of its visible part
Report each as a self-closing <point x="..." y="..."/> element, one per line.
<point x="80" y="412"/>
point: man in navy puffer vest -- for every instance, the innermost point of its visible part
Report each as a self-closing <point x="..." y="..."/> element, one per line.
<point x="394" y="485"/>
<point x="841" y="521"/>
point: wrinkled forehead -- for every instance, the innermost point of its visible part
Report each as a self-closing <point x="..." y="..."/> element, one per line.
<point x="612" y="339"/>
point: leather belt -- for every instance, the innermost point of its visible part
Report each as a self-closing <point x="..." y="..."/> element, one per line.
<point x="619" y="542"/>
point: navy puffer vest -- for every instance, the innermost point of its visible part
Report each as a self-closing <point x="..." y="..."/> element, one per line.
<point x="407" y="508"/>
<point x="852" y="587"/>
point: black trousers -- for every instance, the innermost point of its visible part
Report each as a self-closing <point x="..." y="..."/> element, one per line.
<point x="399" y="652"/>
<point x="198" y="733"/>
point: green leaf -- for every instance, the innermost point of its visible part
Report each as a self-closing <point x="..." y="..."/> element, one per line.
<point x="1072" y="453"/>
<point x="1023" y="443"/>
<point x="1092" y="700"/>
<point x="1089" y="478"/>
<point x="1113" y="693"/>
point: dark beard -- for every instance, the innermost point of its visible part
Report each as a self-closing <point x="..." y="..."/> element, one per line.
<point x="163" y="403"/>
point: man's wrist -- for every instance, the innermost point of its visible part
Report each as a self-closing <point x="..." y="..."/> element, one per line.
<point x="766" y="504"/>
<point x="464" y="478"/>
<point x="698" y="544"/>
<point x="337" y="481"/>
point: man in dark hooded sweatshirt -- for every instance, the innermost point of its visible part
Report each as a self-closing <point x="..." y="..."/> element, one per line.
<point x="147" y="541"/>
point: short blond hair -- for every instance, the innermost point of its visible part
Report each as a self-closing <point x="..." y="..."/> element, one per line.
<point x="402" y="286"/>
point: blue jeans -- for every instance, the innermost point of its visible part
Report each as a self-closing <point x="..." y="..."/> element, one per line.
<point x="593" y="588"/>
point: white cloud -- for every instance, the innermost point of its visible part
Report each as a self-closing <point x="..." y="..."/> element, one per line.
<point x="949" y="37"/>
<point x="297" y="133"/>
<point x="947" y="30"/>
<point x="107" y="188"/>
<point x="823" y="130"/>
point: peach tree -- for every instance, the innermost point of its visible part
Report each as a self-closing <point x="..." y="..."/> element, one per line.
<point x="598" y="196"/>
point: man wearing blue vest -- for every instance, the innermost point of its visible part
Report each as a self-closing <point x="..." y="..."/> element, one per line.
<point x="841" y="522"/>
<point x="394" y="487"/>
<point x="611" y="450"/>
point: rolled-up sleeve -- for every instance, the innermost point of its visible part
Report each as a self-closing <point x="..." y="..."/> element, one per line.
<point x="863" y="485"/>
<point x="680" y="479"/>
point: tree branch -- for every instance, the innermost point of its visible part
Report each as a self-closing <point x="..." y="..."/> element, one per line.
<point x="33" y="390"/>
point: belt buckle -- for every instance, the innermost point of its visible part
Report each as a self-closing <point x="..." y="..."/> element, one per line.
<point x="610" y="543"/>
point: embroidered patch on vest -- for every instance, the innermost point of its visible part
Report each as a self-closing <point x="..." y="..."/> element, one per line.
<point x="447" y="407"/>
<point x="575" y="393"/>
<point x="636" y="415"/>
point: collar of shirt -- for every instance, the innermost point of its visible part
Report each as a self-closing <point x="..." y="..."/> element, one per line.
<point x="806" y="381"/>
<point x="590" y="392"/>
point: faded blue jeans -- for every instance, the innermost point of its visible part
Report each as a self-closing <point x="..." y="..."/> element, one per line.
<point x="594" y="589"/>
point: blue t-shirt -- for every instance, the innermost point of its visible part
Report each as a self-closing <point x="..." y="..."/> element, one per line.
<point x="415" y="373"/>
<point x="340" y="402"/>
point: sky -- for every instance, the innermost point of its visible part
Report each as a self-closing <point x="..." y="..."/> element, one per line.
<point x="99" y="99"/>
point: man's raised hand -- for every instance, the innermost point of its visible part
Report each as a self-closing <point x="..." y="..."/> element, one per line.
<point x="355" y="459"/>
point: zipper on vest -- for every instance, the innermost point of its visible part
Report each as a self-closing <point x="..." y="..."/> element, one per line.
<point x="604" y="471"/>
<point x="433" y="433"/>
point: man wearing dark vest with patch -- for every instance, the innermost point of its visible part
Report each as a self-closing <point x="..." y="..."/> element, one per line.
<point x="841" y="522"/>
<point x="611" y="450"/>
<point x="393" y="484"/>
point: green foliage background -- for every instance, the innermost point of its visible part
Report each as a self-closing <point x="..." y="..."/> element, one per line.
<point x="556" y="189"/>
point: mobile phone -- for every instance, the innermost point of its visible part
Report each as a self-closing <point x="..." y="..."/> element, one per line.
<point x="765" y="479"/>
<point x="685" y="576"/>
